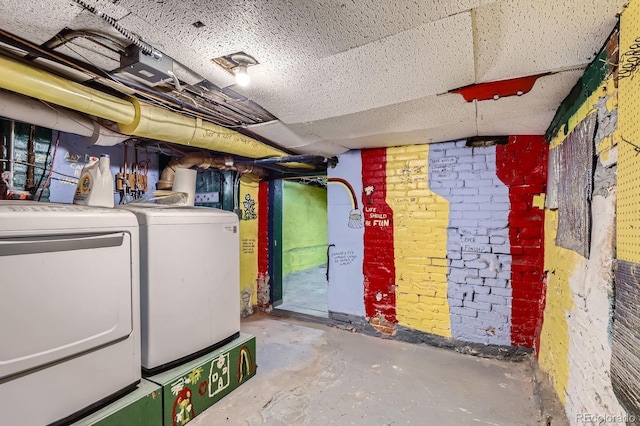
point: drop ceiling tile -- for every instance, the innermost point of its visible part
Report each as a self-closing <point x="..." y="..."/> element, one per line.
<point x="36" y="20"/>
<point x="405" y="117"/>
<point x="282" y="134"/>
<point x="529" y="114"/>
<point x="300" y="29"/>
<point x="416" y="137"/>
<point x="515" y="38"/>
<point x="326" y="149"/>
<point x="406" y="66"/>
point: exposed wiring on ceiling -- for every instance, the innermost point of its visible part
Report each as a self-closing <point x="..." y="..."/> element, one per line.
<point x="68" y="46"/>
<point x="114" y="84"/>
<point x="161" y="151"/>
<point x="66" y="114"/>
<point x="176" y="81"/>
<point x="145" y="48"/>
<point x="60" y="40"/>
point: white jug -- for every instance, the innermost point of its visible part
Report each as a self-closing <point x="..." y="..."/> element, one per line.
<point x="96" y="184"/>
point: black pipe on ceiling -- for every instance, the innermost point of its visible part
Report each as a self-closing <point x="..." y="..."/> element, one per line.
<point x="307" y="159"/>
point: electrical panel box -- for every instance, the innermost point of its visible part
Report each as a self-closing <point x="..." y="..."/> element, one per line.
<point x="145" y="67"/>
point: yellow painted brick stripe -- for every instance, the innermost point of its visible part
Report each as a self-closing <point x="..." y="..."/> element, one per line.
<point x="420" y="225"/>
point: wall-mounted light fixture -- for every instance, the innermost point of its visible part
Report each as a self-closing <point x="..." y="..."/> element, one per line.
<point x="243" y="62"/>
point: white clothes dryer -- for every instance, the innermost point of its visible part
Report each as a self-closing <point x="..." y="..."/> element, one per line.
<point x="69" y="310"/>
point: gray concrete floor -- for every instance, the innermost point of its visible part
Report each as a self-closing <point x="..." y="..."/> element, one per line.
<point x="306" y="292"/>
<point x="311" y="374"/>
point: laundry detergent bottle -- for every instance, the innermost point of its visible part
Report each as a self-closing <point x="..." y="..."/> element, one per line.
<point x="96" y="184"/>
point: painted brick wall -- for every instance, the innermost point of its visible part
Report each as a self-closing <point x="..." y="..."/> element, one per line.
<point x="575" y="343"/>
<point x="522" y="165"/>
<point x="441" y="239"/>
<point x="249" y="245"/>
<point x="379" y="262"/>
<point x="478" y="248"/>
<point x="420" y="241"/>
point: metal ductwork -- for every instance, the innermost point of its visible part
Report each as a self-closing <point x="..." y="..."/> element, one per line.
<point x="133" y="117"/>
<point x="203" y="160"/>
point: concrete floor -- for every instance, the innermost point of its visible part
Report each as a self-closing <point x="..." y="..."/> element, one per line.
<point x="306" y="292"/>
<point x="311" y="374"/>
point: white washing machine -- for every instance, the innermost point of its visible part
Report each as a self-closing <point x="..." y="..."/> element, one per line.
<point x="69" y="310"/>
<point x="189" y="282"/>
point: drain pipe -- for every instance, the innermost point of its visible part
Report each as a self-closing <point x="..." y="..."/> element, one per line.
<point x="133" y="117"/>
<point x="203" y="160"/>
<point x="32" y="111"/>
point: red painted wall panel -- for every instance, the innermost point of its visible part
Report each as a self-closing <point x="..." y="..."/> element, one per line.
<point x="379" y="261"/>
<point x="522" y="166"/>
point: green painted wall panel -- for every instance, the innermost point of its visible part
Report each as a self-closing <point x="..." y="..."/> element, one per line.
<point x="593" y="77"/>
<point x="304" y="227"/>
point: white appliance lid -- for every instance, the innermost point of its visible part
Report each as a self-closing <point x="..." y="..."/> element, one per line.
<point x="153" y="214"/>
<point x="24" y="216"/>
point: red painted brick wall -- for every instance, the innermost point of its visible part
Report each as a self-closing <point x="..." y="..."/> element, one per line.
<point x="522" y="166"/>
<point x="379" y="262"/>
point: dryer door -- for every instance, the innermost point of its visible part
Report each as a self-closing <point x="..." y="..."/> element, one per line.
<point x="61" y="295"/>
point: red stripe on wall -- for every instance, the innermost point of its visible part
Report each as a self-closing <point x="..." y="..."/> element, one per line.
<point x="379" y="262"/>
<point x="522" y="166"/>
<point x="263" y="227"/>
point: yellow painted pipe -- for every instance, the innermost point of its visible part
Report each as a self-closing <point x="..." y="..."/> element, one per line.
<point x="133" y="117"/>
<point x="21" y="78"/>
<point x="159" y="123"/>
